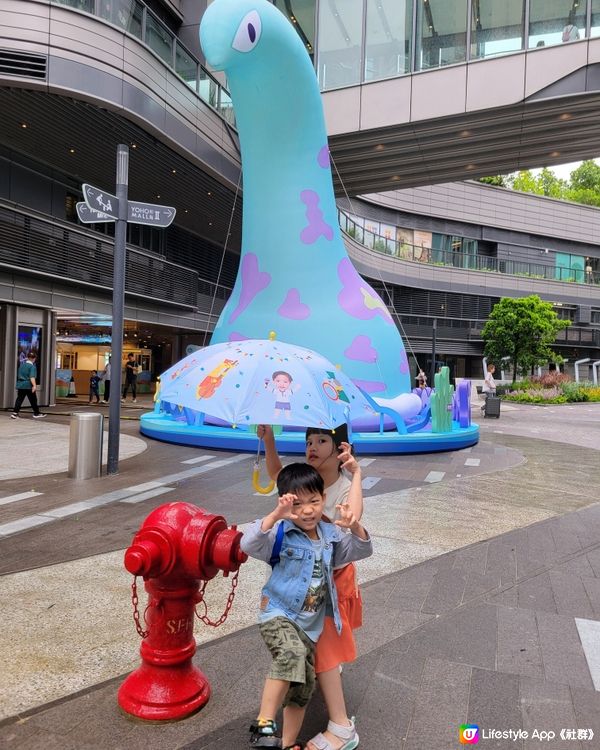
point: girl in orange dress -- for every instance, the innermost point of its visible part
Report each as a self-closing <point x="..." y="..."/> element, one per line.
<point x="329" y="452"/>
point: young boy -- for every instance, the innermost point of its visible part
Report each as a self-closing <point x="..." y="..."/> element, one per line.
<point x="94" y="387"/>
<point x="297" y="594"/>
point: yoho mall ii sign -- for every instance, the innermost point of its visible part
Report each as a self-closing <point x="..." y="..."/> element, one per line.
<point x="101" y="206"/>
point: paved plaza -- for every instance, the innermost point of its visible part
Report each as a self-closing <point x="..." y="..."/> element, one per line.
<point x="482" y="598"/>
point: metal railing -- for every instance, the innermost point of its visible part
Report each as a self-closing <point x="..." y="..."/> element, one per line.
<point x="64" y="251"/>
<point x="484" y="263"/>
<point x="135" y="18"/>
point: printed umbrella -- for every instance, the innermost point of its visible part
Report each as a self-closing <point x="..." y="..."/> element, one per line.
<point x="260" y="381"/>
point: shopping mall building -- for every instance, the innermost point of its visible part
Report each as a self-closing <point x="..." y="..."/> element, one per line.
<point x="421" y="97"/>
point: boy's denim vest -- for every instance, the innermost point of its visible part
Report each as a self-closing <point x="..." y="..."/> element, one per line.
<point x="290" y="579"/>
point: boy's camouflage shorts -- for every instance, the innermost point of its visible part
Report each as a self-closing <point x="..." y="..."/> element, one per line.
<point x="293" y="658"/>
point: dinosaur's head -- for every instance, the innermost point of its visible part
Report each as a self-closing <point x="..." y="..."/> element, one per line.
<point x="242" y="32"/>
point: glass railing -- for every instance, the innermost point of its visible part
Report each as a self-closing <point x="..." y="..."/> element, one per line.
<point x="467" y="261"/>
<point x="135" y="18"/>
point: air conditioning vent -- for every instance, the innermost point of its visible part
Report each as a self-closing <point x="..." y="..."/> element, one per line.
<point x="22" y="64"/>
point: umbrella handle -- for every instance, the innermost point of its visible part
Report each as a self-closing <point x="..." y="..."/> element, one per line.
<point x="256" y="482"/>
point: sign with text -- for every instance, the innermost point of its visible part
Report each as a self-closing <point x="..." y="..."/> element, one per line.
<point x="89" y="215"/>
<point x="100" y="200"/>
<point x="150" y="213"/>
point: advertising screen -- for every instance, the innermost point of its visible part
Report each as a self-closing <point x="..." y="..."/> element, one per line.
<point x="30" y="340"/>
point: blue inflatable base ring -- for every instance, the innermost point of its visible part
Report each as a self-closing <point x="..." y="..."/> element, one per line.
<point x="163" y="427"/>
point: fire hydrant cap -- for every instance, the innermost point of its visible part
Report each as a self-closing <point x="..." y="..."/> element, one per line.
<point x="138" y="560"/>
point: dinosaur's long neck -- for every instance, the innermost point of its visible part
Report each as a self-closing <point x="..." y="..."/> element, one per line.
<point x="283" y="141"/>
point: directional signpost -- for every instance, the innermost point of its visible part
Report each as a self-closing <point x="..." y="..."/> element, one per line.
<point x="100" y="206"/>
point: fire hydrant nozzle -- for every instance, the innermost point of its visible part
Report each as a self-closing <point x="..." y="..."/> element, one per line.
<point x="177" y="546"/>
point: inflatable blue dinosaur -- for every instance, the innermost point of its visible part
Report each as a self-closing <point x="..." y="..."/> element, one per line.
<point x="295" y="276"/>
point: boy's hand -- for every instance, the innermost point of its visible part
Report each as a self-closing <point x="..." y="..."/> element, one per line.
<point x="285" y="507"/>
<point x="348" y="461"/>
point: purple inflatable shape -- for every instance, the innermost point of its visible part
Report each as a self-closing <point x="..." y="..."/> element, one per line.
<point x="292" y="307"/>
<point x="323" y="157"/>
<point x="361" y="350"/>
<point x="316" y="226"/>
<point x="253" y="282"/>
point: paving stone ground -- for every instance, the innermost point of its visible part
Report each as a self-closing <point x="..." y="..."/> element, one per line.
<point x="483" y="590"/>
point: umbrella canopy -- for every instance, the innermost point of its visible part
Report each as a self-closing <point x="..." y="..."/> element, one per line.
<point x="259" y="381"/>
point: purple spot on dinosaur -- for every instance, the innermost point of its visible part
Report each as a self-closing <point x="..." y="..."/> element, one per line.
<point x="361" y="350"/>
<point x="253" y="282"/>
<point x="323" y="157"/>
<point x="293" y="308"/>
<point x="235" y="336"/>
<point x="316" y="226"/>
<point x="370" y="386"/>
<point x="356" y="297"/>
<point x="404" y="368"/>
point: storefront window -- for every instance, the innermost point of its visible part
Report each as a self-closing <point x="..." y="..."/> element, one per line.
<point x="496" y="28"/>
<point x="388" y="42"/>
<point x="340" y="43"/>
<point x="441" y="33"/>
<point x="556" y="21"/>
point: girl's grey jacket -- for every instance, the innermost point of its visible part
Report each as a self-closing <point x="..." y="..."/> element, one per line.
<point x="290" y="578"/>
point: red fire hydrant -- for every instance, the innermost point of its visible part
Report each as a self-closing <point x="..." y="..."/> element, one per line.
<point x="177" y="546"/>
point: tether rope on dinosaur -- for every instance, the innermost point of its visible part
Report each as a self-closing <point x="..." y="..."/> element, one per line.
<point x="394" y="314"/>
<point x="228" y="235"/>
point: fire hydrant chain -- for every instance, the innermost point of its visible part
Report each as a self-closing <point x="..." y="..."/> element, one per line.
<point x="136" y="614"/>
<point x="205" y="619"/>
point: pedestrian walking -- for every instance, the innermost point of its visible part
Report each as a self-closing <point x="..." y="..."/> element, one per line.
<point x="131" y="370"/>
<point x="94" y="387"/>
<point x="27" y="387"/>
<point x="106" y="378"/>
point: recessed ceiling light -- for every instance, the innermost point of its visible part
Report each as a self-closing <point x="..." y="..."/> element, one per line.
<point x="185" y="212"/>
<point x="555" y="153"/>
<point x="157" y="195"/>
<point x="210" y="223"/>
<point x="209" y="193"/>
<point x="134" y="145"/>
<point x="565" y="116"/>
<point x="470" y="166"/>
<point x="465" y="133"/>
<point x="173" y="171"/>
<point x="379" y="147"/>
<point x="23" y="124"/>
<point x="395" y="178"/>
<point x="71" y="150"/>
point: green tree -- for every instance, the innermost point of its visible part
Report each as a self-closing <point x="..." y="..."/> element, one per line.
<point x="498" y="180"/>
<point x="586" y="176"/>
<point x="522" y="330"/>
<point x="525" y="182"/>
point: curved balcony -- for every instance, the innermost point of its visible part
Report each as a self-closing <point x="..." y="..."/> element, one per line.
<point x="134" y="67"/>
<point x="399" y="263"/>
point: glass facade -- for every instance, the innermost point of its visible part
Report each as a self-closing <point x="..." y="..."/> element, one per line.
<point x="556" y="21"/>
<point x="340" y="43"/>
<point x="441" y="37"/>
<point x="388" y="38"/>
<point x="595" y="27"/>
<point x="496" y="28"/>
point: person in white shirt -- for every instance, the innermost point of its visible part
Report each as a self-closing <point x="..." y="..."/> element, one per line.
<point x="489" y="384"/>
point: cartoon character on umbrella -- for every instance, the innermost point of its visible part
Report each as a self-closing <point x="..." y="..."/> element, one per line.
<point x="283" y="390"/>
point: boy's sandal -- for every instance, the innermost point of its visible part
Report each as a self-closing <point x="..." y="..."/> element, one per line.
<point x="263" y="735"/>
<point x="295" y="746"/>
<point x="341" y="732"/>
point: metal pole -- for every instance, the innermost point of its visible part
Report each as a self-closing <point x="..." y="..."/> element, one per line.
<point x="433" y="336"/>
<point x="118" y="305"/>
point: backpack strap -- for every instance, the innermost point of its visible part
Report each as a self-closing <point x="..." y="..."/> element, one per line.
<point x="276" y="551"/>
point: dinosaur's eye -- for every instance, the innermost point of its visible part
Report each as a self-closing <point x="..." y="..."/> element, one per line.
<point x="248" y="33"/>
